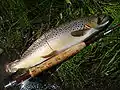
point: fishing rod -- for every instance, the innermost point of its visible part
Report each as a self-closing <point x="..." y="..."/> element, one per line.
<point x="113" y="28"/>
<point x="35" y="70"/>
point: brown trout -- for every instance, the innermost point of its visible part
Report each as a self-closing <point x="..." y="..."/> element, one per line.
<point x="58" y="39"/>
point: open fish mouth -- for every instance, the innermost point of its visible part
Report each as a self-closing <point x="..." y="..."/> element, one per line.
<point x="103" y="22"/>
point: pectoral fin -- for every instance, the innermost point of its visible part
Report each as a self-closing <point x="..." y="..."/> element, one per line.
<point x="80" y="32"/>
<point x="50" y="54"/>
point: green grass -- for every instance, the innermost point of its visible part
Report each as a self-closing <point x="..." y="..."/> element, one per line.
<point x="97" y="66"/>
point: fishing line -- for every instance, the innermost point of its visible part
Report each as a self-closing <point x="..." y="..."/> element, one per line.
<point x="116" y="26"/>
<point x="112" y="28"/>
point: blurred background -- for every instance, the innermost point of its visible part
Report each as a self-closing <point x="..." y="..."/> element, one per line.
<point x="96" y="67"/>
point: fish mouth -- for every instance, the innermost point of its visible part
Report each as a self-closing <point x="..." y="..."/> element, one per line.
<point x="103" y="21"/>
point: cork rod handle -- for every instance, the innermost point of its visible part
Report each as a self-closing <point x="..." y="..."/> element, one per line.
<point x="57" y="59"/>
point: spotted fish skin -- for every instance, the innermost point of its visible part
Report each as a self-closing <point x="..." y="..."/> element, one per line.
<point x="56" y="39"/>
<point x="53" y="34"/>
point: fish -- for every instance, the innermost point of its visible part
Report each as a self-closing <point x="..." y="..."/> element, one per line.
<point x="59" y="39"/>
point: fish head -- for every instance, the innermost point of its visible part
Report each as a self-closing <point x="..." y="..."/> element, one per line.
<point x="94" y="24"/>
<point x="99" y="22"/>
